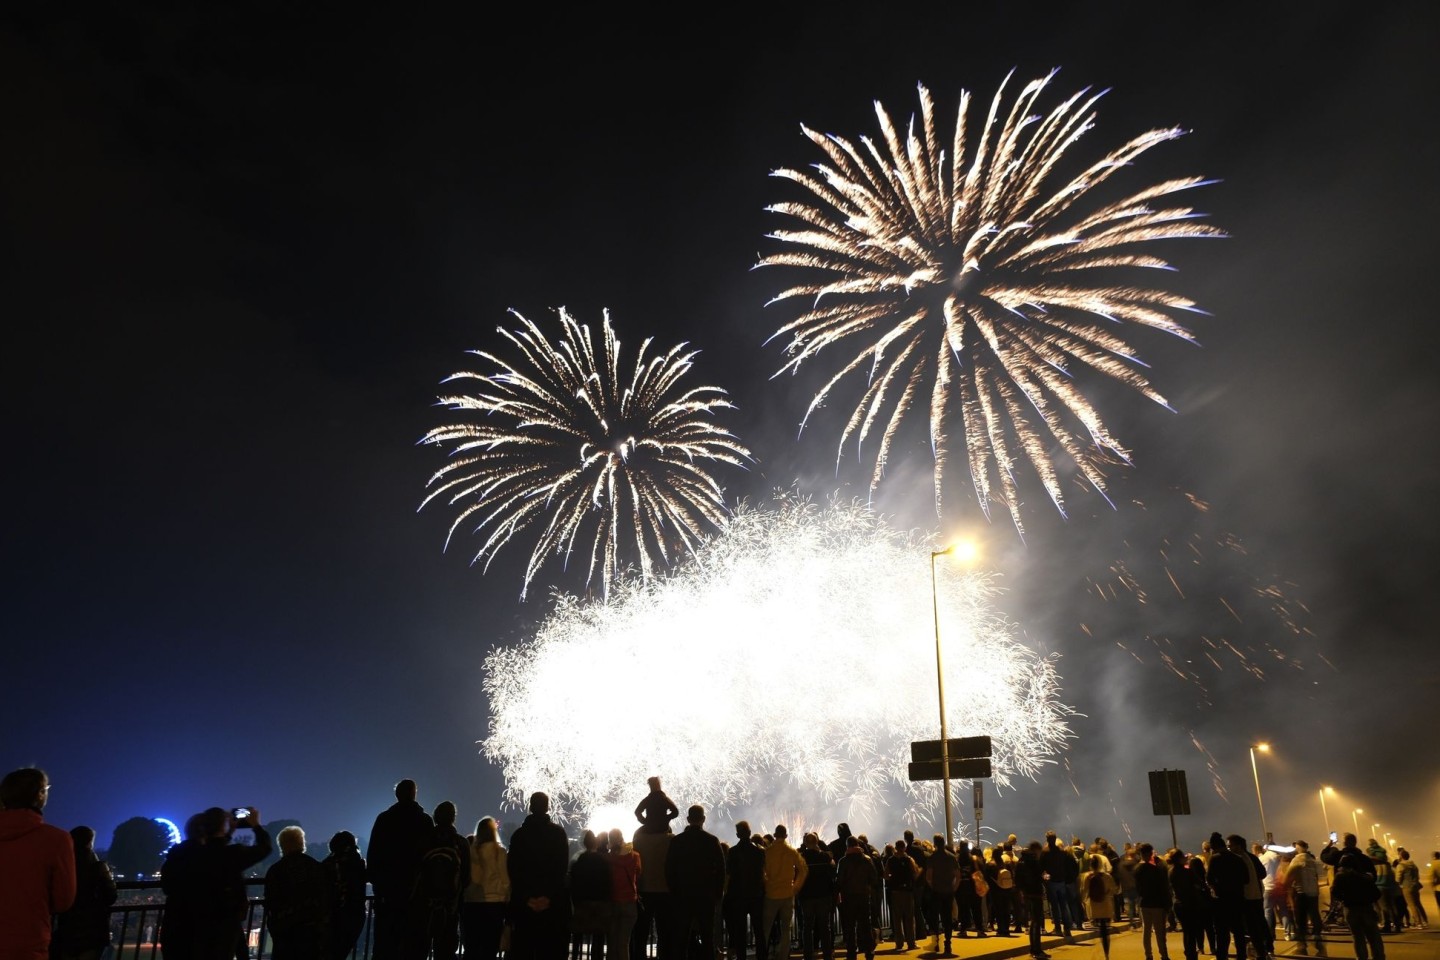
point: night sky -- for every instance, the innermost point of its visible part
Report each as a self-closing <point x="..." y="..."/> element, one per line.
<point x="242" y="250"/>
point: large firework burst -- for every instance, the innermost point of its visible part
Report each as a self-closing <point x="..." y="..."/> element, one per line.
<point x="961" y="270"/>
<point x="595" y="456"/>
<point x="776" y="669"/>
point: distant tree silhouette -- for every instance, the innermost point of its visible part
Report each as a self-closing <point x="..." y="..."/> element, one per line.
<point x="138" y="846"/>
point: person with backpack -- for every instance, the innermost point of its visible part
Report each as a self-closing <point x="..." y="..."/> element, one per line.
<point x="440" y="883"/>
<point x="297" y="901"/>
<point x="345" y="872"/>
<point x="1002" y="890"/>
<point x="1358" y="892"/>
<point x="1098" y="889"/>
<point x="968" y="895"/>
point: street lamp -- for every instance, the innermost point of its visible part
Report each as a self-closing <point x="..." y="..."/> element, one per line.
<point x="1323" y="812"/>
<point x="1263" y="748"/>
<point x="940" y="687"/>
<point x="1355" y="820"/>
<point x="965" y="550"/>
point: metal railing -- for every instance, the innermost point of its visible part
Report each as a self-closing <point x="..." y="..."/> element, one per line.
<point x="135" y="921"/>
<point x="136" y="917"/>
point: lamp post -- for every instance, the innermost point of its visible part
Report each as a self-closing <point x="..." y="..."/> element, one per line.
<point x="940" y="688"/>
<point x="1263" y="748"/>
<point x="964" y="550"/>
<point x="1323" y="812"/>
<point x="1355" y="820"/>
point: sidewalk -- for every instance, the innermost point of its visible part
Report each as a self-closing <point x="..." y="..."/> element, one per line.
<point x="1125" y="942"/>
<point x="968" y="948"/>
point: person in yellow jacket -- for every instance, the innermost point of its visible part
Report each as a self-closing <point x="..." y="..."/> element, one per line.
<point x="785" y="871"/>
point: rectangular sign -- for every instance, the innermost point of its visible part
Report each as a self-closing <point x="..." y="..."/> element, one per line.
<point x="959" y="769"/>
<point x="961" y="748"/>
<point x="1168" y="795"/>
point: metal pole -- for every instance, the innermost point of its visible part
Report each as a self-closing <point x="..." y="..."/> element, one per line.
<point x="1323" y="812"/>
<point x="1170" y="806"/>
<point x="1264" y="830"/>
<point x="940" y="687"/>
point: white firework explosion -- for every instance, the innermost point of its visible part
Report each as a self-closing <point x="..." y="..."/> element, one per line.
<point x="786" y="666"/>
<point x="567" y="441"/>
<point x="958" y="277"/>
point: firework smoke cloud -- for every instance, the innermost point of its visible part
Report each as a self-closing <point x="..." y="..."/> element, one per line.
<point x="791" y="661"/>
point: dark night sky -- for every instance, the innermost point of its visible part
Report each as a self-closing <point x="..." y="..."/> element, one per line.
<point x="242" y="251"/>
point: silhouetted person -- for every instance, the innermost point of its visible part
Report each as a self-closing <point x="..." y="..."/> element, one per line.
<point x="744" y="894"/>
<point x="589" y="898"/>
<point x="655" y="810"/>
<point x="205" y="887"/>
<point x="1152" y="881"/>
<point x="656" y="909"/>
<point x="398" y="841"/>
<point x="539" y="903"/>
<point x="346" y="875"/>
<point x="83" y="931"/>
<point x="37" y="866"/>
<point x="444" y="874"/>
<point x="1030" y="881"/>
<point x="858" y="884"/>
<point x="816" y="901"/>
<point x="624" y="865"/>
<point x="297" y="901"/>
<point x="695" y="873"/>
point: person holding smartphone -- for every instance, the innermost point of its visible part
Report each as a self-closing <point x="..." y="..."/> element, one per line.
<point x="205" y="886"/>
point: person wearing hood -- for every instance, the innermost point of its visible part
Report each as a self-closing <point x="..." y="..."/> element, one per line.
<point x="37" y="867"/>
<point x="345" y="868"/>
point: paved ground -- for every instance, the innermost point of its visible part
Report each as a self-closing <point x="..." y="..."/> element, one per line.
<point x="1125" y="945"/>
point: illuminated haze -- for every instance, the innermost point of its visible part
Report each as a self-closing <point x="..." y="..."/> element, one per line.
<point x="788" y="665"/>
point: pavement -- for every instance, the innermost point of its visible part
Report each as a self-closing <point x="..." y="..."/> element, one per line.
<point x="1126" y="942"/>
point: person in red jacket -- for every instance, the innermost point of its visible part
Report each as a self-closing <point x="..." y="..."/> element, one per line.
<point x="37" y="867"/>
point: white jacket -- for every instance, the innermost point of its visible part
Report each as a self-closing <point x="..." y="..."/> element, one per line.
<point x="489" y="874"/>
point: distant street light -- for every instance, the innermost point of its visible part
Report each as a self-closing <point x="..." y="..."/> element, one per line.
<point x="1323" y="812"/>
<point x="1355" y="820"/>
<point x="1263" y="748"/>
